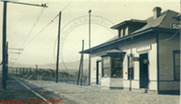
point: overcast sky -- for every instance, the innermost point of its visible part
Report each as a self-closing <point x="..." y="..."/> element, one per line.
<point x="25" y="23"/>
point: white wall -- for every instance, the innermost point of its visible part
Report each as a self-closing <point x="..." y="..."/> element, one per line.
<point x="167" y="43"/>
<point x="152" y="68"/>
<point x="93" y="69"/>
<point x="127" y="47"/>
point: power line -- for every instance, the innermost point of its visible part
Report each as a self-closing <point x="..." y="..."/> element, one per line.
<point x="34" y="25"/>
<point x="49" y="23"/>
<point x="39" y="33"/>
<point x="36" y="21"/>
<point x="66" y="6"/>
<point x="172" y="36"/>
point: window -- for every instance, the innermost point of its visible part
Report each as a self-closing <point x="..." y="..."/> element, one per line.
<point x="105" y="66"/>
<point x="122" y="32"/>
<point x="176" y="64"/>
<point x="126" y="31"/>
<point x="117" y="67"/>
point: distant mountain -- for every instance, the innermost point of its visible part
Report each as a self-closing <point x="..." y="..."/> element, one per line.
<point x="62" y="66"/>
<point x="69" y="67"/>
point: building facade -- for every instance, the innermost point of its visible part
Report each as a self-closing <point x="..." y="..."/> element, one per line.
<point x="144" y="55"/>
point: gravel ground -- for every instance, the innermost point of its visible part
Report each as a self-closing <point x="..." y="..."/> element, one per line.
<point x="99" y="95"/>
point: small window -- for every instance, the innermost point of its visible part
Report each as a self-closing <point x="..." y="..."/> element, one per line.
<point x="176" y="64"/>
<point x="105" y="66"/>
<point x="122" y="32"/>
<point x="126" y="31"/>
<point x="117" y="67"/>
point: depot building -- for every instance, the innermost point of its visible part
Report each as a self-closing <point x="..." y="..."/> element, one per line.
<point x="144" y="55"/>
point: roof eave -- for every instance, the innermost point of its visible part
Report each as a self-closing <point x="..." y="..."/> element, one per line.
<point x="90" y="51"/>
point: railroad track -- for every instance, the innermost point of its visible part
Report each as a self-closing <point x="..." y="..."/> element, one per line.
<point x="20" y="92"/>
<point x="34" y="92"/>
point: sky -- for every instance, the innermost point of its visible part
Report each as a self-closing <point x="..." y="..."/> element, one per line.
<point x="27" y="26"/>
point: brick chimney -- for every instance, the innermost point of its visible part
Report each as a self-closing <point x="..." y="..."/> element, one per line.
<point x="157" y="12"/>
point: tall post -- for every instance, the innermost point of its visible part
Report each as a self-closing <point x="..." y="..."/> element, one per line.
<point x="16" y="71"/>
<point x="82" y="66"/>
<point x="4" y="64"/>
<point x="4" y="52"/>
<point x="78" y="77"/>
<point x="130" y="70"/>
<point x="19" y="71"/>
<point x="89" y="72"/>
<point x="7" y="60"/>
<point x="80" y="73"/>
<point x="36" y="72"/>
<point x="58" y="47"/>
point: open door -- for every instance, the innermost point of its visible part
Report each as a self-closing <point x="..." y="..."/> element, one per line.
<point x="98" y="69"/>
<point x="144" y="78"/>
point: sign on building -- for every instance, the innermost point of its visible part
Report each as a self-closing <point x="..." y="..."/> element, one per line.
<point x="176" y="26"/>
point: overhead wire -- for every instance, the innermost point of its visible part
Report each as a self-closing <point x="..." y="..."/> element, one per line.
<point x="172" y="36"/>
<point x="34" y="25"/>
<point x="39" y="33"/>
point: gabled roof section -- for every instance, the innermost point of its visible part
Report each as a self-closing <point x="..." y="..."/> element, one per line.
<point x="162" y="21"/>
<point x="178" y="17"/>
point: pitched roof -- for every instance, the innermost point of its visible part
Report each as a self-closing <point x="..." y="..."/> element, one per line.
<point x="163" y="22"/>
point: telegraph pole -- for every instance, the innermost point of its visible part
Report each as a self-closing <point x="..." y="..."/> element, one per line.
<point x="82" y="56"/>
<point x="4" y="52"/>
<point x="4" y="64"/>
<point x="80" y="73"/>
<point x="7" y="68"/>
<point x="89" y="72"/>
<point x="58" y="47"/>
<point x="36" y="72"/>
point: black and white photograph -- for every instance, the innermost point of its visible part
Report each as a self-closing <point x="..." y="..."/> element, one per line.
<point x="90" y="51"/>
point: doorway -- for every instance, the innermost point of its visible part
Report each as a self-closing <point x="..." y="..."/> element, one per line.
<point x="98" y="69"/>
<point x="144" y="75"/>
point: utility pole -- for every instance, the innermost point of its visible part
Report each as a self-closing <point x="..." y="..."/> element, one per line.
<point x="80" y="73"/>
<point x="82" y="55"/>
<point x="130" y="70"/>
<point x="89" y="72"/>
<point x="4" y="52"/>
<point x="58" y="46"/>
<point x="7" y="60"/>
<point x="36" y="72"/>
<point x="4" y="64"/>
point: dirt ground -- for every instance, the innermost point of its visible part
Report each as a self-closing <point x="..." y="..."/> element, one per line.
<point x="99" y="95"/>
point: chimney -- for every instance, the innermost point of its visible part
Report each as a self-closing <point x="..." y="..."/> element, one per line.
<point x="157" y="12"/>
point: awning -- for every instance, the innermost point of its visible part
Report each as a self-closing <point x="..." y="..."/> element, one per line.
<point x="113" y="52"/>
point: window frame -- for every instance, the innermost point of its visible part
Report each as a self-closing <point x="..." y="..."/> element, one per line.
<point x="113" y="63"/>
<point x="103" y="72"/>
<point x="174" y="68"/>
